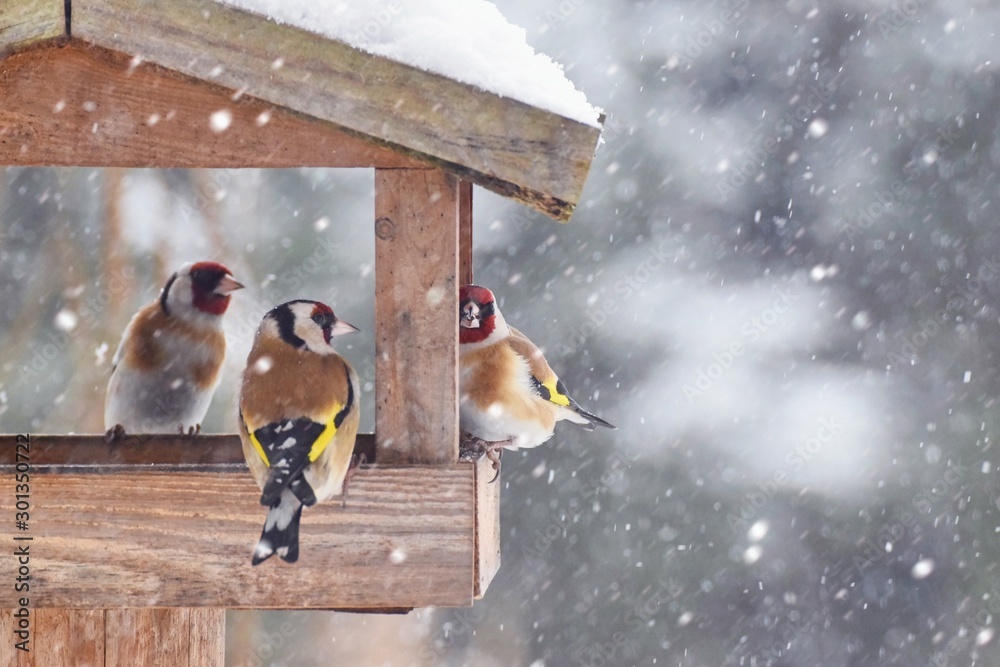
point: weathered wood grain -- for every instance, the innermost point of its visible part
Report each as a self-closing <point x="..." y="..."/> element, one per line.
<point x="79" y="105"/>
<point x="416" y="315"/>
<point x="465" y="233"/>
<point x="26" y="22"/>
<point x="146" y="637"/>
<point x="91" y="454"/>
<point x="59" y="638"/>
<point x="510" y="147"/>
<point x="487" y="525"/>
<point x="207" y="643"/>
<point x="151" y="539"/>
<point x="10" y="656"/>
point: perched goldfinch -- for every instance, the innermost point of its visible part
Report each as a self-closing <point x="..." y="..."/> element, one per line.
<point x="510" y="397"/>
<point x="298" y="418"/>
<point x="167" y="365"/>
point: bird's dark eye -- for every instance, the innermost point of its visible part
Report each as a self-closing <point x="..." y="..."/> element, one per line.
<point x="197" y="275"/>
<point x="318" y="318"/>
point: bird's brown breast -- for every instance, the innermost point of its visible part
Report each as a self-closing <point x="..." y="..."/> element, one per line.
<point x="145" y="349"/>
<point x="496" y="376"/>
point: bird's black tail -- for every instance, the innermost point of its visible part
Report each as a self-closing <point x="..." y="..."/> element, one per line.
<point x="281" y="530"/>
<point x="595" y="421"/>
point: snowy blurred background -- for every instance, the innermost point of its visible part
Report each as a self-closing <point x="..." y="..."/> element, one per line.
<point x="781" y="285"/>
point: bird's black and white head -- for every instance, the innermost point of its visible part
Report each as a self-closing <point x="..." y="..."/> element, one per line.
<point x="306" y="325"/>
<point x="479" y="319"/>
<point x="198" y="290"/>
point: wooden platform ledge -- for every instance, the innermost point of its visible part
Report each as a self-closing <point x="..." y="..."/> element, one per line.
<point x="170" y="521"/>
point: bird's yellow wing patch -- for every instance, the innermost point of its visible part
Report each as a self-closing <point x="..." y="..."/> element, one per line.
<point x="257" y="446"/>
<point x="556" y="394"/>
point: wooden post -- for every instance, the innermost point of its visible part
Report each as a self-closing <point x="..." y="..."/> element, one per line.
<point x="465" y="232"/>
<point x="416" y="316"/>
<point x="119" y="638"/>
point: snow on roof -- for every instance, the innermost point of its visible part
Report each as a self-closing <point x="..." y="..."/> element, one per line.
<point x="465" y="40"/>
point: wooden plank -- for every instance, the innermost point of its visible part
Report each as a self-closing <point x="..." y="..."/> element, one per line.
<point x="10" y="656"/>
<point x="487" y="525"/>
<point x="59" y="638"/>
<point x="416" y="316"/>
<point x="208" y="637"/>
<point x="510" y="147"/>
<point x="465" y="232"/>
<point x="154" y="539"/>
<point x="69" y="637"/>
<point x="79" y="105"/>
<point x="26" y="22"/>
<point x="91" y="454"/>
<point x="156" y="637"/>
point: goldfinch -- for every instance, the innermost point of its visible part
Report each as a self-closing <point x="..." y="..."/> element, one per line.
<point x="167" y="365"/>
<point x="298" y="415"/>
<point x="510" y="396"/>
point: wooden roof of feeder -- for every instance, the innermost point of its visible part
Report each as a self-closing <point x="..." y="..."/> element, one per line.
<point x="71" y="68"/>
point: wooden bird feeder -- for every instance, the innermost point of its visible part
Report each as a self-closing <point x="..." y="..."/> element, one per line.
<point x="138" y="549"/>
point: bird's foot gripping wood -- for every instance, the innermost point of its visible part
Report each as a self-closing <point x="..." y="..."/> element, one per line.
<point x="115" y="434"/>
<point x="357" y="460"/>
<point x="192" y="430"/>
<point x="472" y="447"/>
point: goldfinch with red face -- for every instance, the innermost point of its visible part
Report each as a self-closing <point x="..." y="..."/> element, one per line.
<point x="510" y="396"/>
<point x="167" y="365"/>
<point x="299" y="417"/>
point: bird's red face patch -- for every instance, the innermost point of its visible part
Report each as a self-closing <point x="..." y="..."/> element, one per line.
<point x="476" y="314"/>
<point x="324" y="318"/>
<point x="205" y="279"/>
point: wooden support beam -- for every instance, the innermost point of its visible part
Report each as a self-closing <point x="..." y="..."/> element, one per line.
<point x="183" y="637"/>
<point x="416" y="315"/>
<point x="177" y="529"/>
<point x="27" y="22"/>
<point x="119" y="637"/>
<point x="405" y="539"/>
<point x="465" y="232"/>
<point x="58" y="638"/>
<point x="512" y="148"/>
<point x="487" y="525"/>
<point x="79" y="105"/>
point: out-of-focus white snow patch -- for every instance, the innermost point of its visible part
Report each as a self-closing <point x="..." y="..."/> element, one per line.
<point x="818" y="127"/>
<point x="221" y="120"/>
<point x="752" y="554"/>
<point x="758" y="531"/>
<point x="263" y="365"/>
<point x="466" y="40"/>
<point x="923" y="568"/>
<point x="66" y="320"/>
<point x="397" y="556"/>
